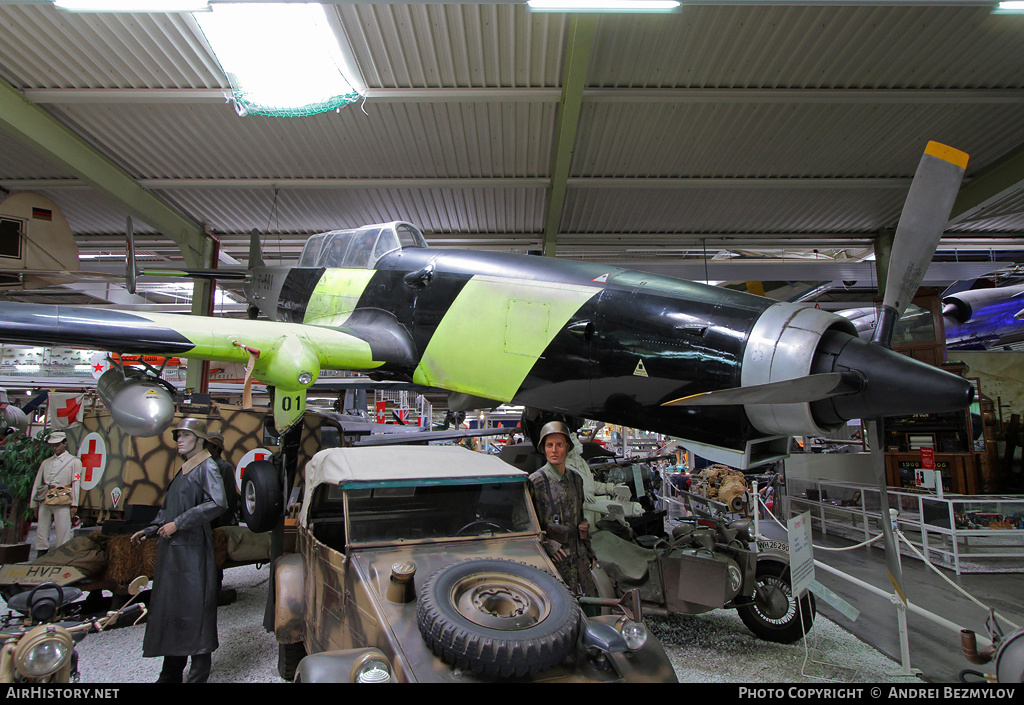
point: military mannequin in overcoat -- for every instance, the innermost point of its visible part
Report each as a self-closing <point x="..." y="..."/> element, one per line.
<point x="183" y="608"/>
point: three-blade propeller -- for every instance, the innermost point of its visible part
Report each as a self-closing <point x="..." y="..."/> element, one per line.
<point x="925" y="214"/>
<point x="922" y="222"/>
<point x="791" y="391"/>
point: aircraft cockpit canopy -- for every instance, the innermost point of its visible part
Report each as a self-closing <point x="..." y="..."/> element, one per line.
<point x="359" y="248"/>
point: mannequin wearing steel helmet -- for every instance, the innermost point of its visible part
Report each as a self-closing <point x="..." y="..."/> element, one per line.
<point x="183" y="608"/>
<point x="558" y="498"/>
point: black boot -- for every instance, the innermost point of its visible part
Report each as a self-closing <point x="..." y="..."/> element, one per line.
<point x="199" y="671"/>
<point x="173" y="668"/>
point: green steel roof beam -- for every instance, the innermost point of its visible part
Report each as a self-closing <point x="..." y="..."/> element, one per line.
<point x="577" y="61"/>
<point x="995" y="182"/>
<point x="44" y="134"/>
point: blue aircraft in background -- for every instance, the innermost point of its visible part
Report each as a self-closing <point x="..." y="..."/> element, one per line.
<point x="975" y="319"/>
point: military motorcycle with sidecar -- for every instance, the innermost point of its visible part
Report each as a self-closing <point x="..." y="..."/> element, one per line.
<point x="708" y="561"/>
<point x="39" y="633"/>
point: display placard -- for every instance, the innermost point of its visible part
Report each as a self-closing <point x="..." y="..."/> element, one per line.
<point x="801" y="554"/>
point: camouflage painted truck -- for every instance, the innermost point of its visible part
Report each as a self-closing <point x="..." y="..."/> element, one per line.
<point x="121" y="471"/>
<point x="425" y="564"/>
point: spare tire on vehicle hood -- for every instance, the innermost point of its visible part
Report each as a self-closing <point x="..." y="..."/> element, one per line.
<point x="498" y="618"/>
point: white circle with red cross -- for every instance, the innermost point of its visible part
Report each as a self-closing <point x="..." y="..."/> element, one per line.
<point x="252" y="455"/>
<point x="92" y="451"/>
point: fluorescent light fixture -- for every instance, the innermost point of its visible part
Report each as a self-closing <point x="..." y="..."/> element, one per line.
<point x="132" y="5"/>
<point x="1009" y="7"/>
<point x="282" y="59"/>
<point x="604" y="5"/>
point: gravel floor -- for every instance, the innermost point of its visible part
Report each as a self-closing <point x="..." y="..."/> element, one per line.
<point x="713" y="647"/>
<point x="716" y="647"/>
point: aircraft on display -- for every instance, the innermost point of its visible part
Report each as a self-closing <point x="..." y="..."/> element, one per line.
<point x="37" y="248"/>
<point x="974" y="319"/>
<point x="731" y="374"/>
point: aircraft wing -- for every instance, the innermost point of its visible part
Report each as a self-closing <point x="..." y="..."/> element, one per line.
<point x="287" y="356"/>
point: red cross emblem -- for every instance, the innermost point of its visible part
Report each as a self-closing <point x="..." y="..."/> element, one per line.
<point x="70" y="411"/>
<point x="93" y="454"/>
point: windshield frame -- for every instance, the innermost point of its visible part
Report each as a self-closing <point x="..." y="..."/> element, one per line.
<point x="348" y="489"/>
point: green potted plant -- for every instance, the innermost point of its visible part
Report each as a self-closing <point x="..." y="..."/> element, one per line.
<point x="20" y="456"/>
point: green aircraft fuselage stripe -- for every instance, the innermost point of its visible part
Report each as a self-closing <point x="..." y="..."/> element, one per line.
<point x="336" y="296"/>
<point x="494" y="332"/>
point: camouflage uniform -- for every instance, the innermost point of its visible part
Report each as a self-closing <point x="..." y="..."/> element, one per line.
<point x="559" y="500"/>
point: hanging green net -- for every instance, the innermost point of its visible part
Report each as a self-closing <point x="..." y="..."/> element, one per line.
<point x="245" y="106"/>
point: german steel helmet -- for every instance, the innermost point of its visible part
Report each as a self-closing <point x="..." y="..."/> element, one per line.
<point x="553" y="427"/>
<point x="196" y="426"/>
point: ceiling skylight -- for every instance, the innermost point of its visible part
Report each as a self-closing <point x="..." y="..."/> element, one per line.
<point x="603" y="5"/>
<point x="282" y="59"/>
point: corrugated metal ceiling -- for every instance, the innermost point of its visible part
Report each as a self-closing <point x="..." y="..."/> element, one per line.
<point x="780" y="125"/>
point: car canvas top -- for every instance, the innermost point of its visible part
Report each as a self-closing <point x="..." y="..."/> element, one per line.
<point x="341" y="466"/>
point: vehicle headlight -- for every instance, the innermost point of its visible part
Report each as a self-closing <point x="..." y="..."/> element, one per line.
<point x="43" y="651"/>
<point x="372" y="670"/>
<point x="634" y="633"/>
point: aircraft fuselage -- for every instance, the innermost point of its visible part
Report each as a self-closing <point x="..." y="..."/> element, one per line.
<point x="580" y="339"/>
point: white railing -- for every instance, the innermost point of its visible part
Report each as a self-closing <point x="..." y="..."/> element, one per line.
<point x="899" y="604"/>
<point x="955" y="531"/>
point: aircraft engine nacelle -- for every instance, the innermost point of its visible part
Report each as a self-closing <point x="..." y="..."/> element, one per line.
<point x="783" y="345"/>
<point x="139" y="405"/>
<point x="790" y="342"/>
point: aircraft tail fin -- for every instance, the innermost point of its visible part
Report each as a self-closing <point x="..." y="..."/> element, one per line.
<point x="255" y="249"/>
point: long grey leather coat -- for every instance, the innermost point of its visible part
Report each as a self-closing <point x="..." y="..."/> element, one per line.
<point x="183" y="607"/>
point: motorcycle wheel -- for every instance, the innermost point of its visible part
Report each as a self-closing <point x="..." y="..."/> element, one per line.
<point x="773" y="615"/>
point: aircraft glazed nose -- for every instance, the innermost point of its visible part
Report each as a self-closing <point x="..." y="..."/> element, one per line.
<point x="893" y="384"/>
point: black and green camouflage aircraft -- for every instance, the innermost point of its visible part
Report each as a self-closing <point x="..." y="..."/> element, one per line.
<point x="730" y="373"/>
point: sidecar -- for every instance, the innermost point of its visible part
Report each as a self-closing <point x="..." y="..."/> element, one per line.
<point x="707" y="564"/>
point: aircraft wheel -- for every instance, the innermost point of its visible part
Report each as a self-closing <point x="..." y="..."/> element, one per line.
<point x="262" y="502"/>
<point x="773" y="614"/>
<point x="498" y="618"/>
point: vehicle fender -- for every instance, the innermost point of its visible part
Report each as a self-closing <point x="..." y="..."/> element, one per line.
<point x="649" y="664"/>
<point x="335" y="666"/>
<point x="290" y="600"/>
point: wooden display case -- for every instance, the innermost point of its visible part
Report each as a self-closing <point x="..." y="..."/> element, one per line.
<point x="960" y="471"/>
